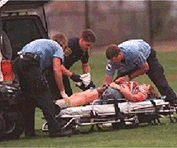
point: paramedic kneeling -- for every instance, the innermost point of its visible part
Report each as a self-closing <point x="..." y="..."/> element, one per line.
<point x="133" y="58"/>
<point x="29" y="66"/>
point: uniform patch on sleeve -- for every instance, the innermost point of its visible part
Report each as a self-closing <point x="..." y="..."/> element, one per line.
<point x="108" y="67"/>
<point x="136" y="61"/>
<point x="67" y="52"/>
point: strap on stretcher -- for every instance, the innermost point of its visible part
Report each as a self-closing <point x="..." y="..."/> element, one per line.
<point x="156" y="110"/>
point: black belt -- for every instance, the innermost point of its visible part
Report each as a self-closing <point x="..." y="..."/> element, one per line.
<point x="30" y="55"/>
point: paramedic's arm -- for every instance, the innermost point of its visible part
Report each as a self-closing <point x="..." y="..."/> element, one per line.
<point x="85" y="68"/>
<point x="114" y="85"/>
<point x="57" y="67"/>
<point x="142" y="70"/>
<point x="139" y="96"/>
<point x="66" y="71"/>
<point x="129" y="75"/>
<point x="107" y="80"/>
<point x="73" y="76"/>
<point x="85" y="63"/>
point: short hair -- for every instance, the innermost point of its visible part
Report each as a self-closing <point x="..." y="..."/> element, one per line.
<point x="60" y="38"/>
<point x="112" y="51"/>
<point x="88" y="35"/>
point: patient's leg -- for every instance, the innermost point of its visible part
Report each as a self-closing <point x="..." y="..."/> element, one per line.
<point x="80" y="98"/>
<point x="61" y="103"/>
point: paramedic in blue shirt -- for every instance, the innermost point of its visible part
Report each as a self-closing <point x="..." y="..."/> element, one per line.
<point x="133" y="58"/>
<point x="33" y="59"/>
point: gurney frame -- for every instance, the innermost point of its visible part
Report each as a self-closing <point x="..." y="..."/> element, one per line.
<point x="117" y="119"/>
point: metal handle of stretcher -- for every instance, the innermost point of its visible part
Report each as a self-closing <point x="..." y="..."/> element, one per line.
<point x="115" y="102"/>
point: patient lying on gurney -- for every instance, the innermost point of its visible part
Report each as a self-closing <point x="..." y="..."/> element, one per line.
<point x="131" y="91"/>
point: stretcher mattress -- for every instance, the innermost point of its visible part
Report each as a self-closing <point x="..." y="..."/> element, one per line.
<point x="125" y="107"/>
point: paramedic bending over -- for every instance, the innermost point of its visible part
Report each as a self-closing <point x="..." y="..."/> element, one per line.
<point x="133" y="58"/>
<point x="132" y="91"/>
<point x="29" y="66"/>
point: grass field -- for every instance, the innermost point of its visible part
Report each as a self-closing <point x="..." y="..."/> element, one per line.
<point x="162" y="135"/>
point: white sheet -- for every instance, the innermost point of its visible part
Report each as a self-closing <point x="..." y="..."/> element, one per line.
<point x="125" y="107"/>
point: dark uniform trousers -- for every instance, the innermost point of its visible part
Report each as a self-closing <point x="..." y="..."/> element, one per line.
<point x="49" y="75"/>
<point x="67" y="85"/>
<point x="36" y="92"/>
<point x="157" y="76"/>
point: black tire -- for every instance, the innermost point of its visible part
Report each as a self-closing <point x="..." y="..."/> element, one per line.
<point x="2" y="126"/>
<point x="14" y="128"/>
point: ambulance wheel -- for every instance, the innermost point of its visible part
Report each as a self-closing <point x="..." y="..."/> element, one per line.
<point x="13" y="128"/>
<point x="2" y="126"/>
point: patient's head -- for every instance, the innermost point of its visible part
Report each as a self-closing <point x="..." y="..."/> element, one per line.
<point x="150" y="90"/>
<point x="145" y="87"/>
<point x="61" y="39"/>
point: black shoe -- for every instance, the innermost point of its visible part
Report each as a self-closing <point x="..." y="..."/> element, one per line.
<point x="31" y="135"/>
<point x="62" y="133"/>
<point x="173" y="102"/>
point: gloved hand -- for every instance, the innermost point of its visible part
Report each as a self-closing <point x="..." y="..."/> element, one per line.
<point x="86" y="79"/>
<point x="76" y="78"/>
<point x="83" y="87"/>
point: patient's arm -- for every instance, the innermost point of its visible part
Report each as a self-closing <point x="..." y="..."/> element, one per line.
<point x="114" y="85"/>
<point x="124" y="89"/>
<point x="134" y="97"/>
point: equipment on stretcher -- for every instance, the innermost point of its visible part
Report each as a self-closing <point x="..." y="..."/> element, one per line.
<point x="116" y="113"/>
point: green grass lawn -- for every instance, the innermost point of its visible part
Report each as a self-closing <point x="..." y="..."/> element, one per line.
<point x="162" y="135"/>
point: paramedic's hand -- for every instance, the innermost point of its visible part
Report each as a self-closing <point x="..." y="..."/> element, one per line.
<point x="115" y="86"/>
<point x="88" y="77"/>
<point x="124" y="89"/>
<point x="76" y="78"/>
<point x="64" y="95"/>
<point x="123" y="79"/>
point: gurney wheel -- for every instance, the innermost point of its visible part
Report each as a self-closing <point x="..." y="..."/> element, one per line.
<point x="173" y="120"/>
<point x="135" y="123"/>
<point x="45" y="127"/>
<point x="118" y="125"/>
<point x="98" y="127"/>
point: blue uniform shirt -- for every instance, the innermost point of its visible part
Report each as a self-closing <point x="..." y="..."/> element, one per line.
<point x="46" y="49"/>
<point x="136" y="52"/>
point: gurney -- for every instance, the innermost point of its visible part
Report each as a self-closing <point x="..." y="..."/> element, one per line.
<point x="115" y="113"/>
